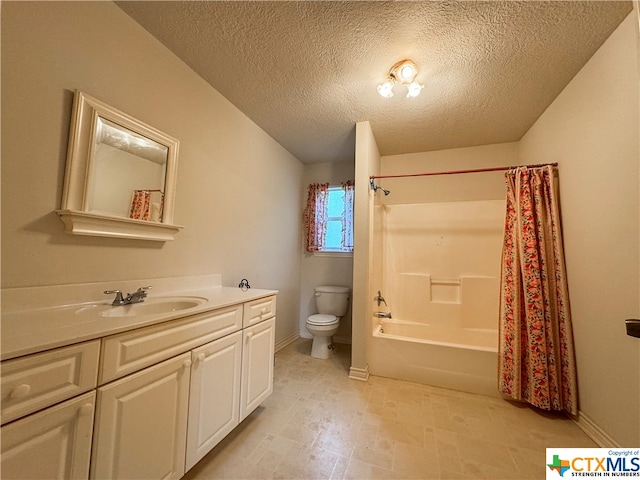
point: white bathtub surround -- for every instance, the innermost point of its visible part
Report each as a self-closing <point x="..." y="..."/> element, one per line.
<point x="440" y="266"/>
<point x="466" y="301"/>
<point x="480" y="301"/>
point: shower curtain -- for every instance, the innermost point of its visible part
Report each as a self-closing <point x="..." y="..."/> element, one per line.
<point x="140" y="205"/>
<point x="536" y="358"/>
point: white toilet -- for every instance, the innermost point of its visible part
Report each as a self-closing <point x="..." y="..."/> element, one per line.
<point x="331" y="303"/>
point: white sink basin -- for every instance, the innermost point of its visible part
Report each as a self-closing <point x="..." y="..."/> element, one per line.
<point x="153" y="306"/>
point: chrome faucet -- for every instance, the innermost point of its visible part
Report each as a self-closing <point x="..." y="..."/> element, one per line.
<point x="382" y="314"/>
<point x="135" y="297"/>
<point x="380" y="299"/>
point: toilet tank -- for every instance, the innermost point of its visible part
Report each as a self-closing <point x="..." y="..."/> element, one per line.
<point x="332" y="300"/>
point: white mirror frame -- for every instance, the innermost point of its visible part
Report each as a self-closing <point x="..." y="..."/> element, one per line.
<point x="73" y="213"/>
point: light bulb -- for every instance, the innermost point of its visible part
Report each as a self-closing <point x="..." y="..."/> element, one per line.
<point x="386" y="89"/>
<point x="413" y="89"/>
<point x="407" y="73"/>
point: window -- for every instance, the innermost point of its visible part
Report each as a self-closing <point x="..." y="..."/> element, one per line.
<point x="329" y="218"/>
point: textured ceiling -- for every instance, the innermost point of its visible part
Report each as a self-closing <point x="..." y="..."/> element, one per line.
<point x="307" y="71"/>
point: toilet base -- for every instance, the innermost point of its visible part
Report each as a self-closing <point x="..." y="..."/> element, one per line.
<point x="321" y="347"/>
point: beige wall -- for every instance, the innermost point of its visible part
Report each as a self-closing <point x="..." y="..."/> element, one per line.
<point x="238" y="191"/>
<point x="447" y="188"/>
<point x="367" y="164"/>
<point x="322" y="269"/>
<point x="592" y="131"/>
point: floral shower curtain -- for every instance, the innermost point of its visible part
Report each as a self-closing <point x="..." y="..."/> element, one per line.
<point x="140" y="205"/>
<point x="315" y="216"/>
<point x="347" y="219"/>
<point x="536" y="358"/>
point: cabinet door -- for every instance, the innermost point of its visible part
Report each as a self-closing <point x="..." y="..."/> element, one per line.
<point x="214" y="397"/>
<point x="257" y="365"/>
<point x="141" y="423"/>
<point x="53" y="443"/>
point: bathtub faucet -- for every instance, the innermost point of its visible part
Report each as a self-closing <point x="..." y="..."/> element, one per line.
<point x="380" y="299"/>
<point x="382" y="314"/>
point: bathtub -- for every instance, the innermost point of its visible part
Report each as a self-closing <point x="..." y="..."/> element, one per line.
<point x="463" y="359"/>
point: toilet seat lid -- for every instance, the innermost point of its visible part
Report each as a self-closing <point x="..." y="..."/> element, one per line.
<point x="322" y="319"/>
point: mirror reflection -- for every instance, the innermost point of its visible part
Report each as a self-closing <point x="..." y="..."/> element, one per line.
<point x="127" y="173"/>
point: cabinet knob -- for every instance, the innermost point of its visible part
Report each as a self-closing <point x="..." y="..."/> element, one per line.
<point x="20" y="391"/>
<point x="187" y="363"/>
<point x="249" y="334"/>
<point x="264" y="311"/>
<point x="200" y="357"/>
<point x="86" y="409"/>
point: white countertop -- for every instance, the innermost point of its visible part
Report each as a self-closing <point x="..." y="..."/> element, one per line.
<point x="28" y="330"/>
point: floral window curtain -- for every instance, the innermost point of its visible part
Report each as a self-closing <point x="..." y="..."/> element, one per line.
<point x="347" y="218"/>
<point x="536" y="358"/>
<point x="315" y="216"/>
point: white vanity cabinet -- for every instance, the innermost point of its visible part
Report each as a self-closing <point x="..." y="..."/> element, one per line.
<point x="157" y="420"/>
<point x="145" y="402"/>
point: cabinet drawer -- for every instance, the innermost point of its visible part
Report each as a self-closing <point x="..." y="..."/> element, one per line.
<point x="131" y="351"/>
<point x="37" y="381"/>
<point x="258" y="310"/>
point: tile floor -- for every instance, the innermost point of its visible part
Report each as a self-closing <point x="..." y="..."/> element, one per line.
<point x="319" y="424"/>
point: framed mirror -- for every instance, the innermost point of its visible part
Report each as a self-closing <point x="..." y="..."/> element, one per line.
<point x="120" y="175"/>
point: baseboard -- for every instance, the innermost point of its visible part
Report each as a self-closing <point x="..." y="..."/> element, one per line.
<point x="361" y="374"/>
<point x="287" y="341"/>
<point x="594" y="432"/>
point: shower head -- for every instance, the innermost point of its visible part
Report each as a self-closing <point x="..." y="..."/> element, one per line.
<point x="375" y="187"/>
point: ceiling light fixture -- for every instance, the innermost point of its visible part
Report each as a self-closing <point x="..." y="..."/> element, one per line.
<point x="404" y="72"/>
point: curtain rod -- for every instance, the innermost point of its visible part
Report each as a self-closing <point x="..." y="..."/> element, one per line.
<point x="454" y="172"/>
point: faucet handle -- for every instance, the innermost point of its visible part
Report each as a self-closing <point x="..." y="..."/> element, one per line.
<point x="118" y="300"/>
<point x="380" y="299"/>
<point x="142" y="292"/>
